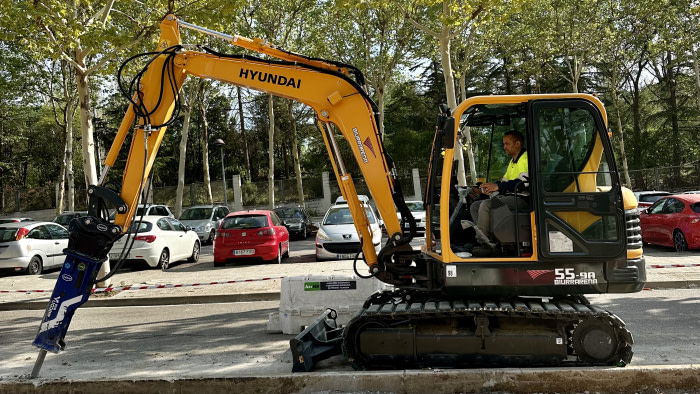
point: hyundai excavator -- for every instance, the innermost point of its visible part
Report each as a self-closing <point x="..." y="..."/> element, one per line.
<point x="525" y="305"/>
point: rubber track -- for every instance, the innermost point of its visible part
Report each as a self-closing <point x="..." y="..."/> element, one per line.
<point x="571" y="310"/>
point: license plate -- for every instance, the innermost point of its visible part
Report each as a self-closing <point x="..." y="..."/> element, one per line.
<point x="114" y="256"/>
<point x="243" y="252"/>
<point x="346" y="256"/>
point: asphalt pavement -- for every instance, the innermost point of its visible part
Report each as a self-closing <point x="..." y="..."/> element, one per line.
<point x="256" y="287"/>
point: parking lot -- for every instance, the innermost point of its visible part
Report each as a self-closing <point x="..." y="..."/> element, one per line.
<point x="663" y="265"/>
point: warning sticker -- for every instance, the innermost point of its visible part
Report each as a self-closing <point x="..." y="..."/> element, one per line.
<point x="332" y="285"/>
<point x="451" y="271"/>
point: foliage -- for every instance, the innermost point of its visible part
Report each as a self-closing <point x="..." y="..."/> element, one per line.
<point x="645" y="51"/>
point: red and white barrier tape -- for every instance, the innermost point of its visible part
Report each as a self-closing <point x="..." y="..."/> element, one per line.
<point x="125" y="288"/>
<point x="674" y="265"/>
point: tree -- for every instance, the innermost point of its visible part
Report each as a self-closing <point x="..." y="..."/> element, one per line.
<point x="443" y="22"/>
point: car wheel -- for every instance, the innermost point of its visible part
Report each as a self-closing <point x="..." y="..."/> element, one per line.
<point x="164" y="260"/>
<point x="679" y="241"/>
<point x="195" y="253"/>
<point x="212" y="234"/>
<point x="35" y="266"/>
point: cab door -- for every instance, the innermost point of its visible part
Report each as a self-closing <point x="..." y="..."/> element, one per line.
<point x="579" y="200"/>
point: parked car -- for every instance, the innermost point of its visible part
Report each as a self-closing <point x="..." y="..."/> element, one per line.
<point x="297" y="220"/>
<point x="337" y="238"/>
<point x="673" y="221"/>
<point x="149" y="210"/>
<point x="15" y="220"/>
<point x="255" y="234"/>
<point x="65" y="218"/>
<point x="158" y="241"/>
<point x="32" y="247"/>
<point x="204" y="220"/>
<point x="692" y="192"/>
<point x="418" y="212"/>
<point x="646" y="198"/>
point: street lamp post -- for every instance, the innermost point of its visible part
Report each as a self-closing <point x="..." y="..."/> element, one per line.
<point x="220" y="143"/>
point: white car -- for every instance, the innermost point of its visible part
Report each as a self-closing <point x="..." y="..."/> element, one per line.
<point x="32" y="247"/>
<point x="646" y="198"/>
<point x="418" y="212"/>
<point x="337" y="239"/>
<point x="159" y="241"/>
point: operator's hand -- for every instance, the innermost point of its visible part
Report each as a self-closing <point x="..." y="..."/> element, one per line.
<point x="488" y="188"/>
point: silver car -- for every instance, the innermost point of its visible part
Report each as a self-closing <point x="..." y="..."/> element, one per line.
<point x="337" y="239"/>
<point x="418" y="212"/>
<point x="32" y="247"/>
<point x="204" y="220"/>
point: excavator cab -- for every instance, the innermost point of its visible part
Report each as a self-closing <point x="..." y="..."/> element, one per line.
<point x="573" y="214"/>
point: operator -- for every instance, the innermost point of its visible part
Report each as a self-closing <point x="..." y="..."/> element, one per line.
<point x="516" y="173"/>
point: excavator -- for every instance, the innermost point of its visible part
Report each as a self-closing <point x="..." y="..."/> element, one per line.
<point x="525" y="305"/>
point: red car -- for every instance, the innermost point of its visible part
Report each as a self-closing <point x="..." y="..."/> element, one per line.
<point x="673" y="221"/>
<point x="258" y="234"/>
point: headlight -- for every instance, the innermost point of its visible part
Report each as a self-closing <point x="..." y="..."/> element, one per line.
<point x="320" y="234"/>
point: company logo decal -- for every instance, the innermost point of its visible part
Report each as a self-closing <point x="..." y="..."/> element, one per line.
<point x="368" y="144"/>
<point x="534" y="274"/>
<point x="67" y="277"/>
<point x="359" y="144"/>
<point x="270" y="78"/>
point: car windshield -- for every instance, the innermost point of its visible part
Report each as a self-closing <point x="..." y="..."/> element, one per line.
<point x="288" y="213"/>
<point x="64" y="219"/>
<point x="8" y="234"/>
<point x="341" y="215"/>
<point x="142" y="227"/>
<point x="196" y="214"/>
<point x="651" y="197"/>
<point x="241" y="222"/>
<point x="415" y="206"/>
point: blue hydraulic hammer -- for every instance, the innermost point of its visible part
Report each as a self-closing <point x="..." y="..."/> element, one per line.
<point x="90" y="241"/>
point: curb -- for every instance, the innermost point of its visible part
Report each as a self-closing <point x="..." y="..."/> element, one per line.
<point x="150" y="301"/>
<point x="103" y="302"/>
<point x="603" y="380"/>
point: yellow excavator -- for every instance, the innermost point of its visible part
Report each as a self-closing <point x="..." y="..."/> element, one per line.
<point x="576" y="232"/>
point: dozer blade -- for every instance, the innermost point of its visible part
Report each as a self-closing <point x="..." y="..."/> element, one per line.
<point x="322" y="339"/>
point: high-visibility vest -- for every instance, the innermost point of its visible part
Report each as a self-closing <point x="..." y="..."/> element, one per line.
<point x="517" y="167"/>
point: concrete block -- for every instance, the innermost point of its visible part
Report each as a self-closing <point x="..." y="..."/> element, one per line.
<point x="303" y="298"/>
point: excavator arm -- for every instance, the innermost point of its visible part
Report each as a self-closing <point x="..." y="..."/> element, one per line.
<point x="337" y="99"/>
<point x="339" y="102"/>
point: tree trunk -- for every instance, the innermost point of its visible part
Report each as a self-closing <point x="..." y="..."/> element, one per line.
<point x="86" y="129"/>
<point x="696" y="67"/>
<point x="205" y="141"/>
<point x="187" y="114"/>
<point x="271" y="154"/>
<point x="446" y="63"/>
<point x="68" y="156"/>
<point x="295" y="154"/>
<point x="623" y="155"/>
<point x="245" y="140"/>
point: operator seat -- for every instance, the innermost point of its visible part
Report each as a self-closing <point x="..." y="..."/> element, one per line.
<point x="512" y="227"/>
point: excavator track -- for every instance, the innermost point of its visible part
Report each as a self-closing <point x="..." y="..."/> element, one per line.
<point x="398" y="331"/>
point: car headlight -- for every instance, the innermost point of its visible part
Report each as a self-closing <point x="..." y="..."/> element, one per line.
<point x="320" y="234"/>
